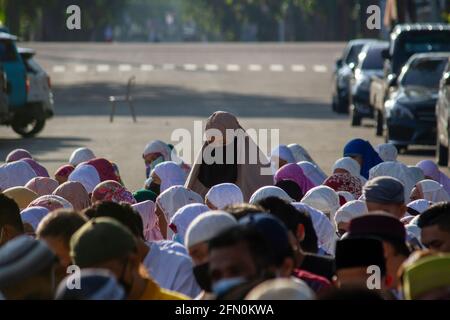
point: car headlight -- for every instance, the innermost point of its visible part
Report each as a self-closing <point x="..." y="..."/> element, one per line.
<point x="398" y="111"/>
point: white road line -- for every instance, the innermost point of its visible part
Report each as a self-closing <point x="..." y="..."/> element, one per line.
<point x="320" y="68"/>
<point x="58" y="69"/>
<point x="298" y="68"/>
<point x="168" y="66"/>
<point x="81" y="68"/>
<point x="211" y="67"/>
<point x="147" y="67"/>
<point x="276" y="68"/>
<point x="124" y="67"/>
<point x="190" y="67"/>
<point x="233" y="67"/>
<point x="254" y="67"/>
<point x="103" y="68"/>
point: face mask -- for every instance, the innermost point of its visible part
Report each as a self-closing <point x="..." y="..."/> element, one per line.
<point x="201" y="274"/>
<point x="223" y="286"/>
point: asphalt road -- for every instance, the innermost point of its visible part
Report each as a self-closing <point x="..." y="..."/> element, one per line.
<point x="268" y="86"/>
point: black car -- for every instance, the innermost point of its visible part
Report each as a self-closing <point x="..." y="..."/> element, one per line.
<point x="343" y="72"/>
<point x="443" y="118"/>
<point x="410" y="111"/>
<point x="370" y="64"/>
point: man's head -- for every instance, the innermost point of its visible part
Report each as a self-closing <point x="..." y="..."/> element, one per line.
<point x="201" y="230"/>
<point x="298" y="223"/>
<point x="27" y="269"/>
<point x="385" y="194"/>
<point x="11" y="224"/>
<point x="56" y="229"/>
<point x="106" y="244"/>
<point x="435" y="225"/>
<point x="357" y="259"/>
<point x="391" y="232"/>
<point x="242" y="210"/>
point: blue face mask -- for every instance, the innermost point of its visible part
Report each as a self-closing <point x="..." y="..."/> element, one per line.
<point x="223" y="286"/>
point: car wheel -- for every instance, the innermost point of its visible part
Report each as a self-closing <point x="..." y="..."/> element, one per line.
<point x="355" y="117"/>
<point x="441" y="154"/>
<point x="27" y="127"/>
<point x="380" y="124"/>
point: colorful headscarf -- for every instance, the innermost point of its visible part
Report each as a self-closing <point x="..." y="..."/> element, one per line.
<point x="362" y="148"/>
<point x="111" y="190"/>
<point x="75" y="193"/>
<point x="170" y="175"/>
<point x="51" y="202"/>
<point x="39" y="169"/>
<point x="104" y="168"/>
<point x="144" y="194"/>
<point x="62" y="174"/>
<point x="431" y="170"/>
<point x="34" y="215"/>
<point x="18" y="154"/>
<point x="312" y="172"/>
<point x="87" y="175"/>
<point x="293" y="172"/>
<point x="21" y="195"/>
<point x="224" y="194"/>
<point x="15" y="174"/>
<point x="146" y="210"/>
<point x="183" y="218"/>
<point x="42" y="185"/>
<point x="345" y="182"/>
<point x="81" y="155"/>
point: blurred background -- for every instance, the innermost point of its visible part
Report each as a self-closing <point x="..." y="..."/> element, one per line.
<point x="208" y="20"/>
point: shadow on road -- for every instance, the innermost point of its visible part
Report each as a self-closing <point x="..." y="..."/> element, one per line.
<point x="151" y="100"/>
<point x="39" y="145"/>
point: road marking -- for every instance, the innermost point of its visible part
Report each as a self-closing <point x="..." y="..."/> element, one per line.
<point x="103" y="68"/>
<point x="124" y="67"/>
<point x="81" y="68"/>
<point x="233" y="67"/>
<point x="254" y="67"/>
<point x="211" y="67"/>
<point x="298" y="68"/>
<point x="320" y="68"/>
<point x="147" y="67"/>
<point x="276" y="68"/>
<point x="59" y="69"/>
<point x="168" y="66"/>
<point x="190" y="67"/>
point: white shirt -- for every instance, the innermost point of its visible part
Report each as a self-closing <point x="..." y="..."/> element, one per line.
<point x="171" y="267"/>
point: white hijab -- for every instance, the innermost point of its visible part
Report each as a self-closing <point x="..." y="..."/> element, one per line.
<point x="351" y="166"/>
<point x="396" y="170"/>
<point x="282" y="152"/>
<point x="170" y="174"/>
<point x="323" y="198"/>
<point x="224" y="194"/>
<point x="15" y="174"/>
<point x="269" y="191"/>
<point x="313" y="172"/>
<point x="433" y="191"/>
<point x="157" y="146"/>
<point x="300" y="154"/>
<point x="81" y="155"/>
<point x="326" y="233"/>
<point x="182" y="219"/>
<point x="387" y="151"/>
<point x="350" y="210"/>
<point x="87" y="175"/>
<point x="173" y="199"/>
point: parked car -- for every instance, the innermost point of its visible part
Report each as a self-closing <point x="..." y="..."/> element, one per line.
<point x="26" y="117"/>
<point x="443" y="118"/>
<point x="343" y="72"/>
<point x="370" y="64"/>
<point x="406" y="40"/>
<point x="3" y="93"/>
<point x="410" y="111"/>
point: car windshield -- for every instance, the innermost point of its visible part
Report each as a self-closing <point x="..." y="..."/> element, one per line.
<point x="373" y="59"/>
<point x="424" y="73"/>
<point x="7" y="51"/>
<point x="352" y="56"/>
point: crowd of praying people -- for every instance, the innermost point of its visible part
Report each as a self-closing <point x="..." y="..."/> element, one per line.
<point x="226" y="231"/>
